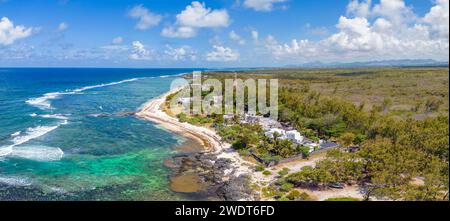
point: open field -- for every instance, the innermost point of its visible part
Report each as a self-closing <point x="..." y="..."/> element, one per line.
<point x="419" y="92"/>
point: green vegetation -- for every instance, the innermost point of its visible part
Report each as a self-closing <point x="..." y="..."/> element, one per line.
<point x="267" y="173"/>
<point x="260" y="168"/>
<point x="395" y="119"/>
<point x="283" y="172"/>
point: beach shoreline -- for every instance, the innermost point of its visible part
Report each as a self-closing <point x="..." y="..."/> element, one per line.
<point x="210" y="140"/>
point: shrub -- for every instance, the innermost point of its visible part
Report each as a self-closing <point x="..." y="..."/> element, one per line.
<point x="267" y="173"/>
<point x="260" y="168"/>
<point x="284" y="172"/>
<point x="293" y="195"/>
<point x="286" y="187"/>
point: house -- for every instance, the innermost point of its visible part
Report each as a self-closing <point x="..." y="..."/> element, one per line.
<point x="280" y="132"/>
<point x="295" y="136"/>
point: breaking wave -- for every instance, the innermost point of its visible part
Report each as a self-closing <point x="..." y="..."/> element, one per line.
<point x="15" y="181"/>
<point x="44" y="102"/>
<point x="30" y="134"/>
<point x="37" y="153"/>
<point x="52" y="116"/>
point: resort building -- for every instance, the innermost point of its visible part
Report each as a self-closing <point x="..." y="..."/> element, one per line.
<point x="295" y="136"/>
<point x="280" y="132"/>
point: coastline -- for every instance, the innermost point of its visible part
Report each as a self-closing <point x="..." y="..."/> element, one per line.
<point x="231" y="164"/>
<point x="234" y="177"/>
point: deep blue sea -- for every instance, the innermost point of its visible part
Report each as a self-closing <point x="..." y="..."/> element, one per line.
<point x="64" y="136"/>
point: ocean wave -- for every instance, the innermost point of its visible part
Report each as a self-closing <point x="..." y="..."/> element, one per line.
<point x="16" y="134"/>
<point x="43" y="102"/>
<point x="37" y="153"/>
<point x="15" y="181"/>
<point x="30" y="134"/>
<point x="52" y="116"/>
<point x="33" y="133"/>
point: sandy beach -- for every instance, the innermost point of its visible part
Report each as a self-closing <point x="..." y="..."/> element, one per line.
<point x="211" y="141"/>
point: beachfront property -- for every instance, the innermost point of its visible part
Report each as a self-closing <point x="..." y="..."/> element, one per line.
<point x="294" y="136"/>
<point x="276" y="132"/>
<point x="274" y="129"/>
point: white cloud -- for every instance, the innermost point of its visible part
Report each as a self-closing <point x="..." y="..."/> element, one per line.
<point x="255" y="36"/>
<point x="140" y="52"/>
<point x="179" y="32"/>
<point x="146" y="18"/>
<point x="117" y="40"/>
<point x="223" y="54"/>
<point x="62" y="26"/>
<point x="235" y="37"/>
<point x="196" y="16"/>
<point x="10" y="33"/>
<point x="262" y="5"/>
<point x="388" y="30"/>
<point x="395" y="11"/>
<point x="438" y="19"/>
<point x="359" y="9"/>
<point x="181" y="53"/>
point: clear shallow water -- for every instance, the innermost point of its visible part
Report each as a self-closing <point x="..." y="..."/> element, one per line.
<point x="63" y="135"/>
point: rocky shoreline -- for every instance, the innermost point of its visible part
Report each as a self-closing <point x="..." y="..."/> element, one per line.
<point x="207" y="176"/>
<point x="214" y="172"/>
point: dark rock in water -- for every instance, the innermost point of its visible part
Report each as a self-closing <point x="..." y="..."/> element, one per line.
<point x="122" y="114"/>
<point x="99" y="115"/>
<point x="190" y="170"/>
<point x="126" y="114"/>
<point x="237" y="188"/>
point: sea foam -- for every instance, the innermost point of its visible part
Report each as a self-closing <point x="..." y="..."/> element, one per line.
<point x="30" y="134"/>
<point x="15" y="181"/>
<point x="44" y="102"/>
<point x="37" y="153"/>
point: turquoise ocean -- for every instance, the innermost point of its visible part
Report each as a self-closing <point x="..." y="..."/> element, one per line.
<point x="65" y="134"/>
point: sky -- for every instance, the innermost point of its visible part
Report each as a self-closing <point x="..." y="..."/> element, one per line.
<point x="219" y="33"/>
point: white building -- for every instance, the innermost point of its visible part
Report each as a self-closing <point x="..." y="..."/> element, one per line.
<point x="295" y="136"/>
<point x="271" y="133"/>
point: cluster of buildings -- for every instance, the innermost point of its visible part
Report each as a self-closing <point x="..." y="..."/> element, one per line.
<point x="276" y="129"/>
<point x="273" y="129"/>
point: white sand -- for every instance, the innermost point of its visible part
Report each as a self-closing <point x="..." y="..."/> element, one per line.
<point x="212" y="142"/>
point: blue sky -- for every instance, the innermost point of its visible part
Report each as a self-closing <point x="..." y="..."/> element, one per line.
<point x="220" y="33"/>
